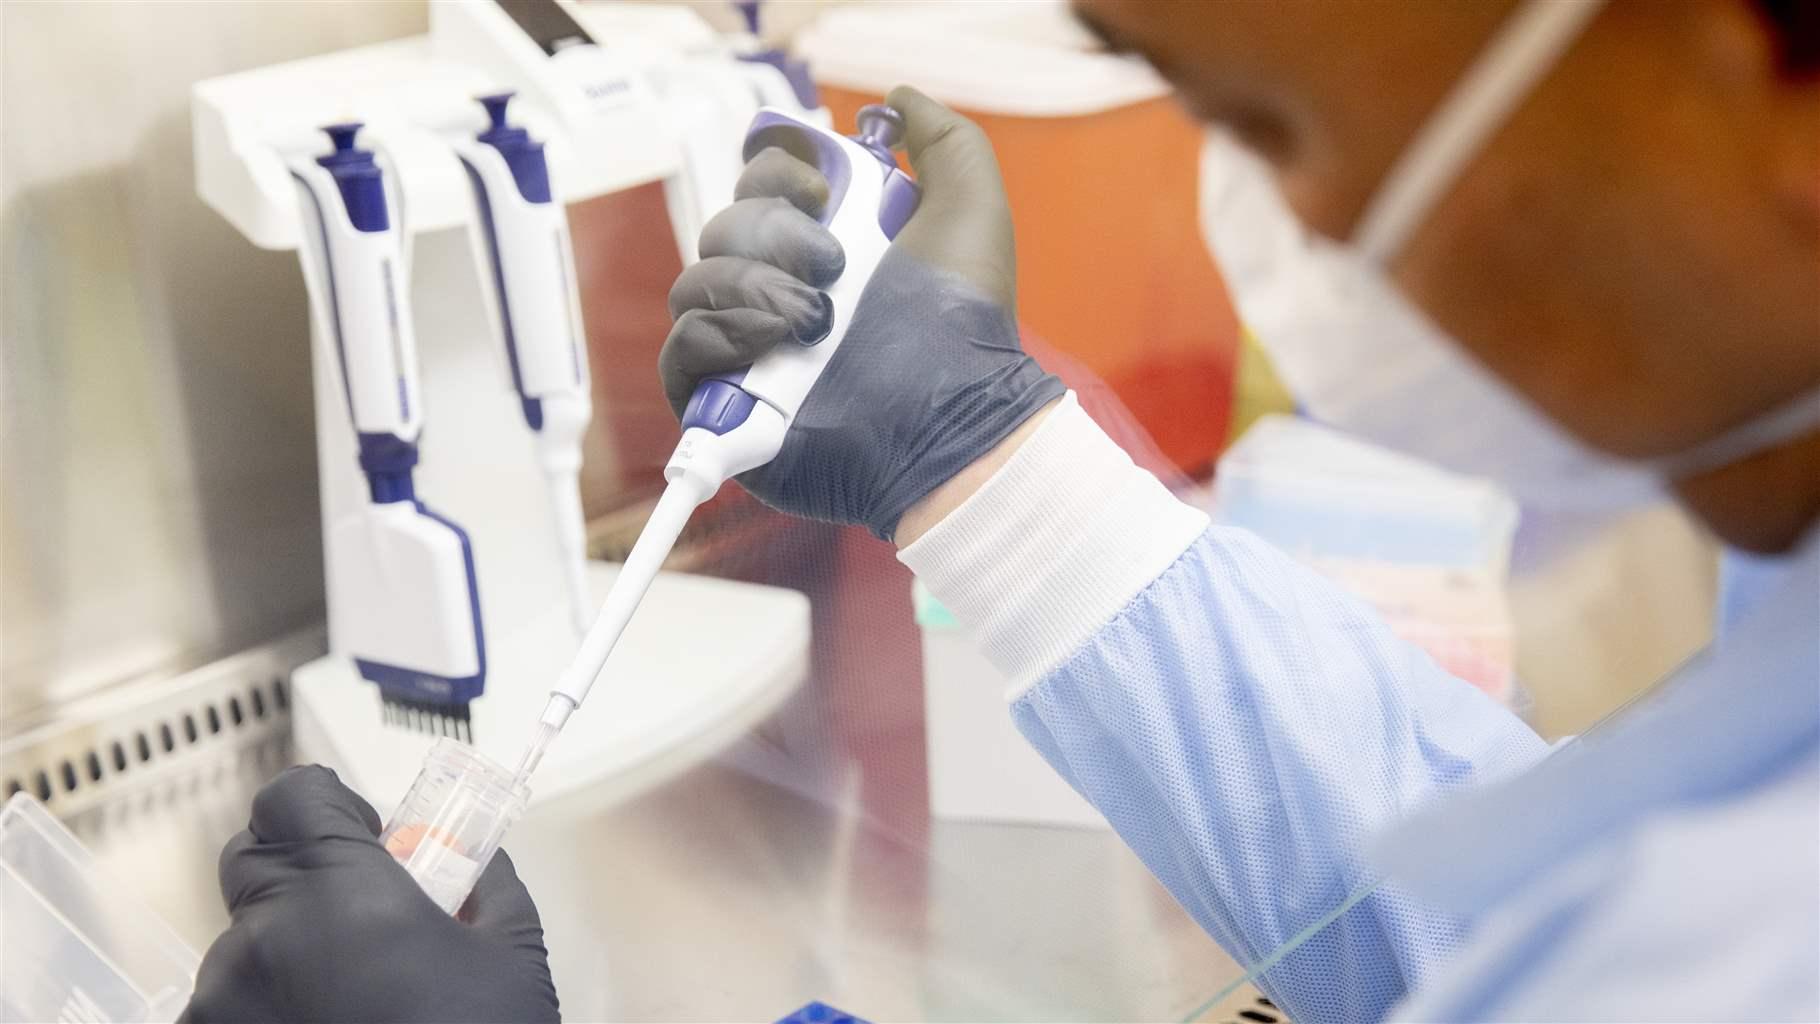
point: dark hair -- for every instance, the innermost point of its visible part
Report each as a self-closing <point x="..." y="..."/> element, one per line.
<point x="1796" y="26"/>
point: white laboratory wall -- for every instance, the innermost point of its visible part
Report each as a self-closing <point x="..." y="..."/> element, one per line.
<point x="157" y="475"/>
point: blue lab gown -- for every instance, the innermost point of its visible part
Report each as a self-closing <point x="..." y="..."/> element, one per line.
<point x="1273" y="753"/>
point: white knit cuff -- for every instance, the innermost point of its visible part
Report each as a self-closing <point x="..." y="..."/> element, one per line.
<point x="1054" y="545"/>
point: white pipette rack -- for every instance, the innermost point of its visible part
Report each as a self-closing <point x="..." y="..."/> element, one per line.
<point x="672" y="699"/>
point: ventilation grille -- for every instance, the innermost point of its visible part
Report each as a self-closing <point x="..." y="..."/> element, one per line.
<point x="1261" y="1011"/>
<point x="1245" y="1005"/>
<point x="151" y="733"/>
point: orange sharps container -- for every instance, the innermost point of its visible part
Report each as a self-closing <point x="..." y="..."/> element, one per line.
<point x="1102" y="170"/>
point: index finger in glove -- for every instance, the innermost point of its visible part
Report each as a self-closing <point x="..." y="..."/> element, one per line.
<point x="233" y="870"/>
<point x="774" y="173"/>
<point x="303" y="806"/>
<point x="308" y="803"/>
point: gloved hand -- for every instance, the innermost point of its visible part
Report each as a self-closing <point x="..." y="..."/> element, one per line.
<point x="930" y="376"/>
<point x="328" y="927"/>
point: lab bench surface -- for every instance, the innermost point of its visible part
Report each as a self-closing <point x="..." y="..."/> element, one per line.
<point x="723" y="896"/>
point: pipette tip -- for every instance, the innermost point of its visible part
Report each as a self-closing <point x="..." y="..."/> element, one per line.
<point x="533" y="755"/>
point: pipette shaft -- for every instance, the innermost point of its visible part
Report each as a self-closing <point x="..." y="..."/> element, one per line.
<point x="571" y="543"/>
<point x="679" y="499"/>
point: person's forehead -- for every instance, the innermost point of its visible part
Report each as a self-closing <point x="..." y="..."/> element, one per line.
<point x="1364" y="47"/>
<point x="1329" y="90"/>
<point x="1294" y="31"/>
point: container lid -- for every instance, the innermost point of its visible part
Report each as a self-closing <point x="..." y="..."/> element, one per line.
<point x="1316" y="491"/>
<point x="1008" y="57"/>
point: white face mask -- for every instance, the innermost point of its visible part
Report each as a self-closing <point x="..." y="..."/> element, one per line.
<point x="1359" y="355"/>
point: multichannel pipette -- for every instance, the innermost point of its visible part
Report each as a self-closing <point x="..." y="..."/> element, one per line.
<point x="737" y="421"/>
<point x="409" y="616"/>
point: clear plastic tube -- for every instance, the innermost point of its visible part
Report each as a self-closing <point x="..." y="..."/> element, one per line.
<point x="452" y="820"/>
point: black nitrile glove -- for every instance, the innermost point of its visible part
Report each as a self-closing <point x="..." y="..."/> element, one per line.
<point x="930" y="376"/>
<point x="328" y="927"/>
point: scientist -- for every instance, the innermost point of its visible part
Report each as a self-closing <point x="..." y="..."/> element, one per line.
<point x="1616" y="210"/>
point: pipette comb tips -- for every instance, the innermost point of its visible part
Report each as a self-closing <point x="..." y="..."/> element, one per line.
<point x="430" y="717"/>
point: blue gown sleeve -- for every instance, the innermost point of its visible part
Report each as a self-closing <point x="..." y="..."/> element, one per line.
<point x="1247" y="726"/>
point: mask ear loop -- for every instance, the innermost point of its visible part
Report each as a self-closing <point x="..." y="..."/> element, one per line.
<point x="1786" y="422"/>
<point x="1524" y="49"/>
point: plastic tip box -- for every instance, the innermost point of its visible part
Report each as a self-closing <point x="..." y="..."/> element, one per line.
<point x="76" y="946"/>
<point x="1430" y="550"/>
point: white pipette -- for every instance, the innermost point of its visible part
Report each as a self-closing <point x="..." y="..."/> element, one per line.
<point x="528" y="275"/>
<point x="737" y="422"/>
